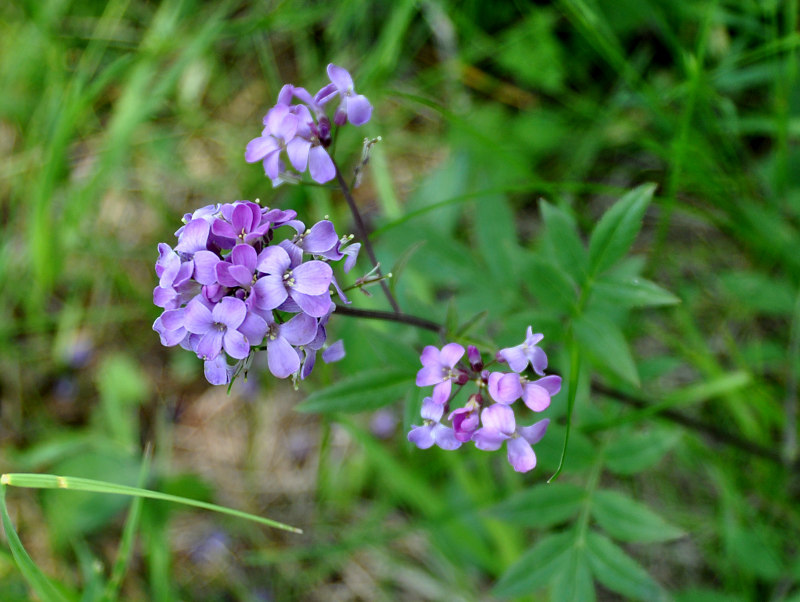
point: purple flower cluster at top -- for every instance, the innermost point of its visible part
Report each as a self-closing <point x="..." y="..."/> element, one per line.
<point x="242" y="278"/>
<point x="301" y="132"/>
<point x="486" y="420"/>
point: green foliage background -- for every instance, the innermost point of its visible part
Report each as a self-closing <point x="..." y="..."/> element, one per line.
<point x="509" y="133"/>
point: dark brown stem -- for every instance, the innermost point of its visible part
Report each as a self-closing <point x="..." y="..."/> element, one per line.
<point x="362" y="233"/>
<point x="371" y="314"/>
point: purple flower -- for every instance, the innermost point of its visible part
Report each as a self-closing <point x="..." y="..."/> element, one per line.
<point x="240" y="269"/>
<point x="504" y="387"/>
<point x="519" y="356"/>
<point x="353" y="107"/>
<point x="465" y="420"/>
<point x="537" y="394"/>
<point x="334" y="353"/>
<point x="280" y="127"/>
<point x="306" y="283"/>
<point x="244" y="224"/>
<point x="438" y="369"/>
<point x="499" y="425"/>
<point x="433" y="431"/>
<point x="224" y="326"/>
<point x="282" y="357"/>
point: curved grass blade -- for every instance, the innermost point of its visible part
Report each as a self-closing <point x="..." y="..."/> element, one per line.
<point x="38" y="581"/>
<point x="48" y="481"/>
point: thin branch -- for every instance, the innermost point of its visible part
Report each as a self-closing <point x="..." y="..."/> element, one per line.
<point x="694" y="424"/>
<point x="371" y="314"/>
<point x="362" y="233"/>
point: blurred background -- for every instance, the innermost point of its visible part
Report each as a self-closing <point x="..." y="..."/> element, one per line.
<point x="118" y="117"/>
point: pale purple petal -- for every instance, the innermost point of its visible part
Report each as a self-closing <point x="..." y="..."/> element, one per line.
<point x="172" y="319"/>
<point x="534" y="433"/>
<point x="204" y="267"/>
<point x="298" y="150"/>
<point x="499" y="418"/>
<point x="235" y="344"/>
<point x="552" y="384"/>
<point x="429" y="375"/>
<point x="210" y="344"/>
<point x="504" y="387"/>
<point x="272" y="164"/>
<point x="515" y="356"/>
<point x="520" y="455"/>
<point x="300" y="330"/>
<point x="313" y="305"/>
<point x="282" y="358"/>
<point x="358" y="109"/>
<point x="320" y="238"/>
<point x="431" y="410"/>
<point x="422" y="436"/>
<point x="197" y="318"/>
<point x="240" y="275"/>
<point x="194" y="237"/>
<point x="244" y="255"/>
<point x="445" y="437"/>
<point x="538" y="360"/>
<point x="165" y="297"/>
<point x="230" y="311"/>
<point x="535" y="397"/>
<point x="441" y="392"/>
<point x="312" y="277"/>
<point x="320" y="165"/>
<point x="430" y="357"/>
<point x="451" y="353"/>
<point x="334" y="353"/>
<point x="340" y="77"/>
<point x="275" y="117"/>
<point x="216" y="371"/>
<point x="488" y="440"/>
<point x="260" y="147"/>
<point x="532" y="339"/>
<point x="273" y="260"/>
<point x="326" y="94"/>
<point x="351" y="252"/>
<point x="254" y="328"/>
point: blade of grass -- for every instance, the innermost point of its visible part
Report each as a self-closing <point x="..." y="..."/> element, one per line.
<point x="38" y="581"/>
<point x="48" y="481"/>
<point x="125" y="550"/>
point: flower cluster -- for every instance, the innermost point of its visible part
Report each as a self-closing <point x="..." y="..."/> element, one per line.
<point x="301" y="132"/>
<point x="241" y="275"/>
<point x="486" y="420"/>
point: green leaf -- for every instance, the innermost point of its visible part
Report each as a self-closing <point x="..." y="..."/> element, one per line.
<point x="626" y="519"/>
<point x="634" y="452"/>
<point x="367" y="390"/>
<point x="38" y="581"/>
<point x="617" y="229"/>
<point x="632" y="292"/>
<point x="561" y="241"/>
<point x="50" y="481"/>
<point x="606" y="346"/>
<point x="619" y="572"/>
<point x="574" y="581"/>
<point x="496" y="233"/>
<point x="551" y="286"/>
<point x="536" y="567"/>
<point x="541" y="506"/>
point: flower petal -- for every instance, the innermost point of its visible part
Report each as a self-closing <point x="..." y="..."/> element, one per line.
<point x="504" y="386"/>
<point x="499" y="418"/>
<point x="340" y="77"/>
<point x="334" y="353"/>
<point x="451" y="353"/>
<point x="535" y="397"/>
<point x="314" y="305"/>
<point x="312" y="277"/>
<point x="320" y="165"/>
<point x="422" y="436"/>
<point x="358" y="109"/>
<point x="521" y="455"/>
<point x="534" y="433"/>
<point x="235" y="344"/>
<point x="445" y="437"/>
<point x="282" y="358"/>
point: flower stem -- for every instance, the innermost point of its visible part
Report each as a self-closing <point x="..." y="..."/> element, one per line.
<point x="362" y="232"/>
<point x="396" y="316"/>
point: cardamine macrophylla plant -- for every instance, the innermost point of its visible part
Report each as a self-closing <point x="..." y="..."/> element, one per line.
<point x="243" y="278"/>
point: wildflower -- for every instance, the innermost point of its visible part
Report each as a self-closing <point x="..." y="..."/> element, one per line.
<point x="353" y="107"/>
<point x="224" y="326"/>
<point x="433" y="431"/>
<point x="519" y="356"/>
<point x="306" y="283"/>
<point x="438" y="369"/>
<point x="465" y="420"/>
<point x="499" y="425"/>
